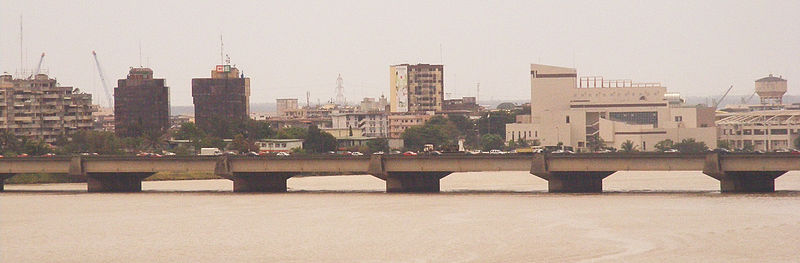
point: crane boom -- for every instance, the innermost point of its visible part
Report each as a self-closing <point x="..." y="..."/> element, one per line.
<point x="38" y="67"/>
<point x="723" y="97"/>
<point x="103" y="80"/>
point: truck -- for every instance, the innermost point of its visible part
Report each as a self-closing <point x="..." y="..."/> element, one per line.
<point x="210" y="151"/>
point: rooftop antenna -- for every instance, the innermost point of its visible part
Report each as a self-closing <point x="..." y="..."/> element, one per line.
<point x="478" y="95"/>
<point x="308" y="99"/>
<point x="140" y="53"/>
<point x="221" y="50"/>
<point x="21" y="58"/>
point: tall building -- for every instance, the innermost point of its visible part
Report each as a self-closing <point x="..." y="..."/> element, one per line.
<point x="416" y="88"/>
<point x="223" y="97"/>
<point x="569" y="110"/>
<point x="38" y="108"/>
<point x="141" y="104"/>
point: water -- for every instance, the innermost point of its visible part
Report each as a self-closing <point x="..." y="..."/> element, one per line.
<point x="482" y="217"/>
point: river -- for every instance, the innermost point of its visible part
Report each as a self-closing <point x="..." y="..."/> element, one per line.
<point x="479" y="217"/>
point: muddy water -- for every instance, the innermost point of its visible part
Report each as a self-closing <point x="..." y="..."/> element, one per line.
<point x="482" y="217"/>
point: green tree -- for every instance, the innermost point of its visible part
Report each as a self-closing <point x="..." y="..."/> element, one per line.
<point x="725" y="144"/>
<point x="242" y="144"/>
<point x="747" y="146"/>
<point x="291" y="133"/>
<point x="495" y="122"/>
<point x="595" y="143"/>
<point x="9" y="143"/>
<point x="690" y="146"/>
<point x="491" y="142"/>
<point x="665" y="145"/>
<point x="101" y="142"/>
<point x="189" y="131"/>
<point x="378" y="145"/>
<point x="438" y="131"/>
<point x="154" y="141"/>
<point x="628" y="146"/>
<point x="318" y="141"/>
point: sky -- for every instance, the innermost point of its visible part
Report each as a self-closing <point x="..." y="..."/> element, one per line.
<point x="697" y="48"/>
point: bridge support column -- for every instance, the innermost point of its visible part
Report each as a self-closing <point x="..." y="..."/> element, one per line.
<point x="747" y="182"/>
<point x="260" y="182"/>
<point x="414" y="182"/>
<point x="115" y="182"/>
<point x="574" y="182"/>
<point x="3" y="178"/>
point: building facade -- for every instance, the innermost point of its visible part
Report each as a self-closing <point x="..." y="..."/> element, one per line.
<point x="568" y="110"/>
<point x="398" y="123"/>
<point x="286" y="105"/>
<point x="38" y="108"/>
<point x="141" y="104"/>
<point x="223" y="97"/>
<point x="416" y="88"/>
<point x="370" y="124"/>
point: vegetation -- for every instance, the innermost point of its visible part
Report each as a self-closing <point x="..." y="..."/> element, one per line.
<point x="491" y="142"/>
<point x="665" y="145"/>
<point x="628" y="146"/>
<point x="378" y="145"/>
<point x="318" y="141"/>
<point x="595" y="143"/>
<point x="725" y="144"/>
<point x="690" y="146"/>
<point x="438" y="131"/>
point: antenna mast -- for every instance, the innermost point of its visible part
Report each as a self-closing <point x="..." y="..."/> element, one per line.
<point x="221" y="48"/>
<point x="21" y="58"/>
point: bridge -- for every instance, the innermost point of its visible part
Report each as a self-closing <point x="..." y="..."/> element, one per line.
<point x="570" y="173"/>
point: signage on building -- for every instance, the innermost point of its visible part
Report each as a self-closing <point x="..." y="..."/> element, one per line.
<point x="401" y="84"/>
<point x="223" y="68"/>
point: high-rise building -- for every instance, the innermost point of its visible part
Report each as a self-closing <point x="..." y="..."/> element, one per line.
<point x="38" y="108"/>
<point x="141" y="104"/>
<point x="416" y="88"/>
<point x="222" y="98"/>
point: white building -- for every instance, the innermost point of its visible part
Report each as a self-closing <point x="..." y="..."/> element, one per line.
<point x="371" y="124"/>
<point x="279" y="145"/>
<point x="569" y="110"/>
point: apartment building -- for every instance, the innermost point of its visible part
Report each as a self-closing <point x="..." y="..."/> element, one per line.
<point x="38" y="108"/>
<point x="416" y="88"/>
<point x="398" y="122"/>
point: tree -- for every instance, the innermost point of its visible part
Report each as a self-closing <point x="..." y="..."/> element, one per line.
<point x="495" y="122"/>
<point x="242" y="144"/>
<point x="318" y="141"/>
<point x="628" y="146"/>
<point x="690" y="146"/>
<point x="665" y="145"/>
<point x="291" y="133"/>
<point x="725" y="144"/>
<point x="491" y="142"/>
<point x="36" y="147"/>
<point x="747" y="146"/>
<point x="378" y="145"/>
<point x="154" y="141"/>
<point x="9" y="143"/>
<point x="438" y="131"/>
<point x="189" y="131"/>
<point x="595" y="143"/>
<point x="101" y="142"/>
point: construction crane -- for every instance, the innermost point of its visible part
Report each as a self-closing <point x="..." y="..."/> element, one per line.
<point x="716" y="104"/>
<point x="38" y="67"/>
<point x="103" y="81"/>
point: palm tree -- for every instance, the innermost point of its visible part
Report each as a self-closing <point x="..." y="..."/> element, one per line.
<point x="627" y="146"/>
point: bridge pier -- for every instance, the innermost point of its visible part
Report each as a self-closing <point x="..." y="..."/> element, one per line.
<point x="260" y="182"/>
<point x="414" y="182"/>
<point x="747" y="182"/>
<point x="574" y="182"/>
<point x="115" y="182"/>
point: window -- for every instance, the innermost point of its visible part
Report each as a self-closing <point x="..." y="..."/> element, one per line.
<point x="567" y="119"/>
<point x="678" y="118"/>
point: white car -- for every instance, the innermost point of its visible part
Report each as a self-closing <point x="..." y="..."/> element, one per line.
<point x="356" y="154"/>
<point x="283" y="154"/>
<point x="474" y="152"/>
<point x="496" y="152"/>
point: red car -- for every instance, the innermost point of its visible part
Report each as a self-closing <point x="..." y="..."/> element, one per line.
<point x="409" y="153"/>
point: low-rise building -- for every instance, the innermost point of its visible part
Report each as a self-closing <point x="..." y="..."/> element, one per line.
<point x="371" y="124"/>
<point x="398" y="123"/>
<point x="279" y="145"/>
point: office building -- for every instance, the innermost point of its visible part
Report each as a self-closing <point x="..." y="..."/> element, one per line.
<point x="416" y="88"/>
<point x="141" y="104"/>
<point x="224" y="97"/>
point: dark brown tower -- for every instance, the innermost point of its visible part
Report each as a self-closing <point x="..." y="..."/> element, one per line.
<point x="141" y="104"/>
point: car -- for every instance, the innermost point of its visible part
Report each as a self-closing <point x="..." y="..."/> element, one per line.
<point x="538" y="151"/>
<point x="563" y="152"/>
<point x="252" y="154"/>
<point x="283" y="154"/>
<point x="331" y="152"/>
<point x="603" y="151"/>
<point x="48" y="155"/>
<point x="722" y="150"/>
<point x="22" y="155"/>
<point x="496" y="152"/>
<point x="783" y="150"/>
<point x="166" y="153"/>
<point x="435" y="153"/>
<point x="395" y="152"/>
<point x="86" y="154"/>
<point x="671" y="151"/>
<point x="143" y="154"/>
<point x="474" y="152"/>
<point x="409" y="153"/>
<point x="378" y="153"/>
<point x="356" y="154"/>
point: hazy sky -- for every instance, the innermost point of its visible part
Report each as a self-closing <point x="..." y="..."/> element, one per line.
<point x="697" y="48"/>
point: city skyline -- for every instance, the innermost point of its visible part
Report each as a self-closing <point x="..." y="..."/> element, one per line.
<point x="697" y="49"/>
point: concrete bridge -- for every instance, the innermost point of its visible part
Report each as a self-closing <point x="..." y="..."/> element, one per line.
<point x="575" y="173"/>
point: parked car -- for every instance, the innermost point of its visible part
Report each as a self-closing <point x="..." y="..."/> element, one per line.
<point x="435" y="153"/>
<point x="671" y="151"/>
<point x="282" y="154"/>
<point x="48" y="155"/>
<point x="356" y="154"/>
<point x="22" y="155"/>
<point x="395" y="152"/>
<point x="252" y="154"/>
<point x="378" y="153"/>
<point x="474" y="152"/>
<point x="409" y="153"/>
<point x="496" y="152"/>
<point x="563" y="152"/>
